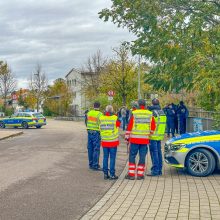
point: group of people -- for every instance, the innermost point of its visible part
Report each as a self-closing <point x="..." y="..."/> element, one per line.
<point x="176" y="118"/>
<point x="145" y="126"/>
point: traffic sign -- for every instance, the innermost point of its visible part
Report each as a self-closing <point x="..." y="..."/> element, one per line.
<point x="110" y="98"/>
<point x="111" y="93"/>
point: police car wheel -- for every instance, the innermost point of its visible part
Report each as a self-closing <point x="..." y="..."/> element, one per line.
<point x="39" y="126"/>
<point x="200" y="162"/>
<point x="2" y="124"/>
<point x="24" y="125"/>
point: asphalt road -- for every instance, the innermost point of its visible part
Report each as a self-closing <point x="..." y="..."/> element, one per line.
<point x="44" y="174"/>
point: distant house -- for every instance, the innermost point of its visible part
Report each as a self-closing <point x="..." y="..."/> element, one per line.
<point x="75" y="80"/>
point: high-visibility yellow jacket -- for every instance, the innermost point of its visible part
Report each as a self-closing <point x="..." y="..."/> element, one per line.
<point x="141" y="128"/>
<point x="108" y="128"/>
<point x="93" y="120"/>
<point x="160" y="119"/>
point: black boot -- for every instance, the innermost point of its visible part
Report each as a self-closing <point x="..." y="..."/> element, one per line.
<point x="128" y="177"/>
<point x="114" y="177"/>
<point x="106" y="176"/>
<point x="140" y="177"/>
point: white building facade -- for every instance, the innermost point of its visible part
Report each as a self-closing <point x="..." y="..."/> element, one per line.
<point x="75" y="80"/>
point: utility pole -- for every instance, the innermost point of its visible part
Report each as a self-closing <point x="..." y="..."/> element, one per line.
<point x="139" y="76"/>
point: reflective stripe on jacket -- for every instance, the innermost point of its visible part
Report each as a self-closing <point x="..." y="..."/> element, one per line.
<point x="160" y="119"/>
<point x="93" y="120"/>
<point x="108" y="129"/>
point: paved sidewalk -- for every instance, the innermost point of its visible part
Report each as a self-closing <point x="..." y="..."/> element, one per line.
<point x="175" y="195"/>
<point x="9" y="134"/>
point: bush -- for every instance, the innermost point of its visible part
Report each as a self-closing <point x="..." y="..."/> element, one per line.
<point x="217" y="118"/>
<point x="9" y="111"/>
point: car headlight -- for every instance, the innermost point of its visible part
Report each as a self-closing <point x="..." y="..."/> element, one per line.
<point x="175" y="147"/>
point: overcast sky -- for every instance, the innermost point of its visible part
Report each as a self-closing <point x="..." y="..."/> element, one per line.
<point x="58" y="34"/>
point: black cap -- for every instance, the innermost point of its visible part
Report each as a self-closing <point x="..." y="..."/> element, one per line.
<point x="96" y="104"/>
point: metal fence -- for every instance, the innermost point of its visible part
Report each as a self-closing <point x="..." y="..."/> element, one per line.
<point x="73" y="118"/>
<point x="199" y="113"/>
<point x="201" y="120"/>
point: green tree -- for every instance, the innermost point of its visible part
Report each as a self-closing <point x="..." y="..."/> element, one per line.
<point x="58" y="98"/>
<point x="179" y="37"/>
<point x="120" y="75"/>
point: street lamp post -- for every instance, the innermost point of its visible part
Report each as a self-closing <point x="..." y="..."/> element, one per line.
<point x="139" y="76"/>
<point x="38" y="79"/>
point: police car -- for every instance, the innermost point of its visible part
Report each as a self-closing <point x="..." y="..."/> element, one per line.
<point x="198" y="153"/>
<point x="24" y="120"/>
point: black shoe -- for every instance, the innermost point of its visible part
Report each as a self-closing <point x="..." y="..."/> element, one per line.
<point x="153" y="174"/>
<point x="97" y="169"/>
<point x="140" y="177"/>
<point x="114" y="177"/>
<point x="128" y="177"/>
<point x="106" y="176"/>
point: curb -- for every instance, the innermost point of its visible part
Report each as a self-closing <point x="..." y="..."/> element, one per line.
<point x="12" y="135"/>
<point x="106" y="197"/>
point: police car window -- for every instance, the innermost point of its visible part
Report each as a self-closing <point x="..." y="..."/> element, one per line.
<point x="38" y="115"/>
<point x="27" y="115"/>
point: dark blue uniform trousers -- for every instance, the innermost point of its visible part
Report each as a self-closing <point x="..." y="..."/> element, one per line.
<point x="156" y="157"/>
<point x="93" y="148"/>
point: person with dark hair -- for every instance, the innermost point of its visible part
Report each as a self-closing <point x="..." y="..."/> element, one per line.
<point x="170" y="113"/>
<point x="176" y="124"/>
<point x="183" y="113"/>
<point x="93" y="121"/>
<point x="156" y="138"/>
<point x="140" y="126"/>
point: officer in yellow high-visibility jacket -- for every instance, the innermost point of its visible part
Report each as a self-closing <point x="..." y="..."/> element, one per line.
<point x="156" y="138"/>
<point x="92" y="123"/>
<point x="109" y="130"/>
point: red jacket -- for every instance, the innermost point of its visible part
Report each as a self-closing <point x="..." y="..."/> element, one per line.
<point x="139" y="140"/>
<point x="114" y="143"/>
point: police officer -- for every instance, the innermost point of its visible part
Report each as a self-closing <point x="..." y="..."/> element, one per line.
<point x="183" y="113"/>
<point x="140" y="126"/>
<point x="109" y="128"/>
<point x="93" y="121"/>
<point x="155" y="139"/>
<point x="170" y="113"/>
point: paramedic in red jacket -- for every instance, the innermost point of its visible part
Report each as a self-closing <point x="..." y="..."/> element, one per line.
<point x="140" y="127"/>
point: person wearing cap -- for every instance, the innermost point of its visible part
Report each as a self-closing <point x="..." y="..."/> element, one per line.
<point x="140" y="126"/>
<point x="93" y="121"/>
<point x="156" y="138"/>
<point x="109" y="130"/>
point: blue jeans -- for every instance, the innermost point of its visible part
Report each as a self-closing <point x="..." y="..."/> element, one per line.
<point x="109" y="151"/>
<point x="134" y="149"/>
<point x="156" y="157"/>
<point x="93" y="148"/>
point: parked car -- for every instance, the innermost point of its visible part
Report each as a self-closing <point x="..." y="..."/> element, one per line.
<point x="198" y="152"/>
<point x="24" y="120"/>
